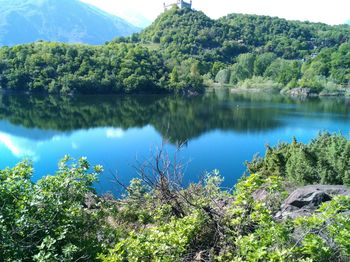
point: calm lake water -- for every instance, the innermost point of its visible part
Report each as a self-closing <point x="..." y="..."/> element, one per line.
<point x="221" y="130"/>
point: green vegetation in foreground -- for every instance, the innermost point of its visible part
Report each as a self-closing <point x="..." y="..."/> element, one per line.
<point x="182" y="51"/>
<point x="60" y="218"/>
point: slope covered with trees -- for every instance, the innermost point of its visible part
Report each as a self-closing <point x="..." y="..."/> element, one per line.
<point x="254" y="51"/>
<point x="193" y="33"/>
<point x="54" y="67"/>
<point x="184" y="48"/>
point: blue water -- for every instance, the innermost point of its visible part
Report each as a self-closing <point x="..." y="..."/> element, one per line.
<point x="220" y="130"/>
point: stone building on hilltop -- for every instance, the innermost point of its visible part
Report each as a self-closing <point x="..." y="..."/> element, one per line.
<point x="180" y="3"/>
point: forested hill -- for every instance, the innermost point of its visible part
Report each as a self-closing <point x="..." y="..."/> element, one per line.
<point x="254" y="51"/>
<point x="25" y="21"/>
<point x="191" y="32"/>
<point x="287" y="39"/>
<point x="184" y="50"/>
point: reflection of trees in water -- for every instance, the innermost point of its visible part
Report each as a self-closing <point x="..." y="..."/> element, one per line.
<point x="176" y="118"/>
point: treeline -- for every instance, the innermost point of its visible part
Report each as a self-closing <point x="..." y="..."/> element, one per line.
<point x="111" y="68"/>
<point x="191" y="33"/>
<point x="253" y="51"/>
<point x="287" y="39"/>
<point x="329" y="70"/>
<point x="183" y="50"/>
<point x="60" y="217"/>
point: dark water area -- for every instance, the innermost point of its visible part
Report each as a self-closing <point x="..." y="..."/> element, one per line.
<point x="220" y="130"/>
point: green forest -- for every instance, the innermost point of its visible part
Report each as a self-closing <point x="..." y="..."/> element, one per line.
<point x="184" y="51"/>
<point x="61" y="218"/>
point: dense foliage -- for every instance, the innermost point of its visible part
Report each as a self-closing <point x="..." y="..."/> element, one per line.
<point x="188" y="32"/>
<point x="48" y="221"/>
<point x="60" y="218"/>
<point x="325" y="160"/>
<point x="54" y="67"/>
<point x="270" y="52"/>
<point x="287" y="39"/>
<point x="183" y="49"/>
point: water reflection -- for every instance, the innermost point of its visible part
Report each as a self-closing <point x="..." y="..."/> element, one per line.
<point x="223" y="130"/>
<point x="176" y="118"/>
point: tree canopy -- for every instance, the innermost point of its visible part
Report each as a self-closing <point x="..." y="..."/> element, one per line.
<point x="182" y="51"/>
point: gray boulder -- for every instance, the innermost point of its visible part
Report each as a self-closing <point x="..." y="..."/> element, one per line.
<point x="305" y="200"/>
<point x="301" y="92"/>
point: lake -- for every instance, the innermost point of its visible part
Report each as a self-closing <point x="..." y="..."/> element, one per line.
<point x="219" y="130"/>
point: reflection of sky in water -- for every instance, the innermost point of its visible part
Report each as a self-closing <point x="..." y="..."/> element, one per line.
<point x="114" y="148"/>
<point x="18" y="147"/>
<point x="118" y="149"/>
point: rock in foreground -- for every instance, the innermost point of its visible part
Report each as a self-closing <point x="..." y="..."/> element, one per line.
<point x="305" y="200"/>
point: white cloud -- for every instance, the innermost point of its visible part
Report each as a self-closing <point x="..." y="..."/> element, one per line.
<point x="56" y="138"/>
<point x="331" y="12"/>
<point x="17" y="147"/>
<point x="115" y="133"/>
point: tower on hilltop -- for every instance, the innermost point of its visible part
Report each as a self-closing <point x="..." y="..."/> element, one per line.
<point x="180" y="3"/>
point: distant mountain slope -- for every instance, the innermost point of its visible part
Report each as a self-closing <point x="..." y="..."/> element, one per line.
<point x="23" y="21"/>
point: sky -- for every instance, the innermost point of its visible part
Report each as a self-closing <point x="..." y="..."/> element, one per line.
<point x="327" y="11"/>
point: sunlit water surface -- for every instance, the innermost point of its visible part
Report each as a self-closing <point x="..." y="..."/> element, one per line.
<point x="220" y="130"/>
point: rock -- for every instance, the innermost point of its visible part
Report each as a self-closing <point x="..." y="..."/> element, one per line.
<point x="304" y="92"/>
<point x="260" y="194"/>
<point x="305" y="200"/>
<point x="310" y="199"/>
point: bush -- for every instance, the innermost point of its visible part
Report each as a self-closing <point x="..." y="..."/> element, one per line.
<point x="258" y="82"/>
<point x="325" y="160"/>
<point x="48" y="221"/>
<point x="60" y="218"/>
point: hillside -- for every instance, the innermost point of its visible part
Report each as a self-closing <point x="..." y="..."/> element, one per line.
<point x="194" y="33"/>
<point x="184" y="50"/>
<point x="183" y="32"/>
<point x="254" y="51"/>
<point x="71" y="21"/>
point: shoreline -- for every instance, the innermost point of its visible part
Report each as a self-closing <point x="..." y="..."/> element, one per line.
<point x="294" y="92"/>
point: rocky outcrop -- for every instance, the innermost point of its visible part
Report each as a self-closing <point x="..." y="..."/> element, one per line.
<point x="305" y="200"/>
<point x="303" y="92"/>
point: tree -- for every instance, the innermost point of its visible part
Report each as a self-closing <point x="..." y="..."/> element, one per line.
<point x="262" y="62"/>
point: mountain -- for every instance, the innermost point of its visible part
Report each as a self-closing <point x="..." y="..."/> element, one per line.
<point x="135" y="18"/>
<point x="71" y="21"/>
<point x="192" y="33"/>
<point x="184" y="48"/>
